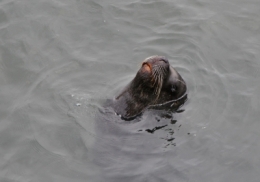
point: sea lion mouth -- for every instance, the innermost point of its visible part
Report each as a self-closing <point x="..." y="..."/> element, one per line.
<point x="158" y="74"/>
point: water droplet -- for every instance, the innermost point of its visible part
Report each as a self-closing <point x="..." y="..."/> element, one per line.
<point x="78" y="104"/>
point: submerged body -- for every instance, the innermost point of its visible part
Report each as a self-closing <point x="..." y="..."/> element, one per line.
<point x="156" y="83"/>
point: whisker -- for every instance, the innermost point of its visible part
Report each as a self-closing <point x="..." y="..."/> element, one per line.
<point x="155" y="73"/>
<point x="159" y="85"/>
<point x="157" y="78"/>
<point x="158" y="75"/>
<point x="163" y="70"/>
<point x="154" y="77"/>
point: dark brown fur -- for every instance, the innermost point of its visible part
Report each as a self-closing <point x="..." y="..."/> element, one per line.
<point x="155" y="83"/>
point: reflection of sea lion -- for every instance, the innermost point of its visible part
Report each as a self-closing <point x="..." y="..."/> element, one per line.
<point x="155" y="83"/>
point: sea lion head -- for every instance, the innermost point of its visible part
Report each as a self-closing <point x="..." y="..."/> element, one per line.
<point x="150" y="77"/>
<point x="155" y="83"/>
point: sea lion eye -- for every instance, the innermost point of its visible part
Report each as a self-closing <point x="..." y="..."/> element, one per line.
<point x="173" y="88"/>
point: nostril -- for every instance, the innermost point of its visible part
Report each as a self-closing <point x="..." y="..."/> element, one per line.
<point x="164" y="60"/>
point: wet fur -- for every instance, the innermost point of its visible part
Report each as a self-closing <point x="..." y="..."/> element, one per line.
<point x="162" y="85"/>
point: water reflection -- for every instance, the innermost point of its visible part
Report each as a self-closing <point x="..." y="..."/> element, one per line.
<point x="61" y="60"/>
<point x="158" y="120"/>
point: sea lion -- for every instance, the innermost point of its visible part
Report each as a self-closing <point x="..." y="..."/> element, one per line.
<point x="156" y="83"/>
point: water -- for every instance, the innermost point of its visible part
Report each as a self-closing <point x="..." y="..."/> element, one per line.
<point x="61" y="60"/>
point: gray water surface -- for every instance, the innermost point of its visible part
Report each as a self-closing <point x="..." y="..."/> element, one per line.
<point x="61" y="60"/>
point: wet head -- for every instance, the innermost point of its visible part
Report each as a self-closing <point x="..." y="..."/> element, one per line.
<point x="155" y="64"/>
<point x="152" y="85"/>
<point x="155" y="69"/>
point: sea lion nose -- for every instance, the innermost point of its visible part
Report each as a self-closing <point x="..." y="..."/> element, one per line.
<point x="164" y="60"/>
